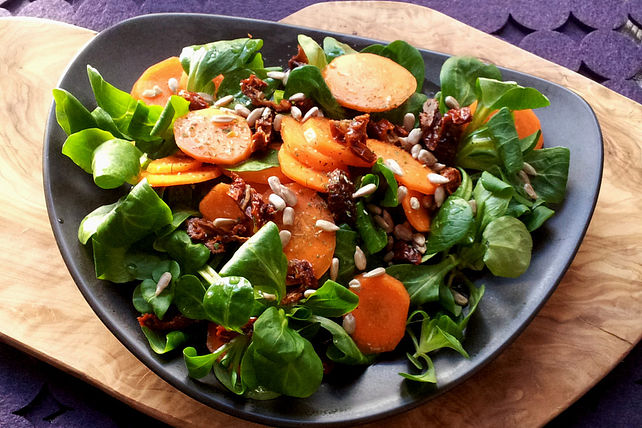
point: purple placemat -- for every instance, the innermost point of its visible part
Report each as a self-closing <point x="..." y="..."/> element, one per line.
<point x="600" y="39"/>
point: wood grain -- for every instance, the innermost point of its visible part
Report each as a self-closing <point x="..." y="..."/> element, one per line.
<point x="588" y="325"/>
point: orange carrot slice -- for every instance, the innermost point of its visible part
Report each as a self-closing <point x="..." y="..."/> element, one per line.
<point x="368" y="82"/>
<point x="158" y="75"/>
<point x="526" y="123"/>
<point x="418" y="218"/>
<point x="173" y="164"/>
<point x="217" y="204"/>
<point x="319" y="129"/>
<point x="380" y="318"/>
<point x="197" y="175"/>
<point x="415" y="174"/>
<point x="302" y="174"/>
<point x="309" y="242"/>
<point x="200" y="136"/>
<point x="303" y="146"/>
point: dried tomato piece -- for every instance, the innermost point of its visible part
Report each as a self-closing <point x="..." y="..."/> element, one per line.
<point x="251" y="203"/>
<point x="253" y="87"/>
<point x="454" y="177"/>
<point x="299" y="59"/>
<point x="263" y="132"/>
<point x="405" y="252"/>
<point x="177" y="322"/>
<point x="441" y="134"/>
<point x="196" y="100"/>
<point x="353" y="133"/>
<point x="299" y="272"/>
<point x="384" y="130"/>
<point x="214" y="238"/>
<point x="340" y="201"/>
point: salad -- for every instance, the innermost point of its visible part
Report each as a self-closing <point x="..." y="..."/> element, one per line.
<point x="277" y="223"/>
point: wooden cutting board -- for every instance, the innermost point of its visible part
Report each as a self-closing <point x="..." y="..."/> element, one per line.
<point x="589" y="324"/>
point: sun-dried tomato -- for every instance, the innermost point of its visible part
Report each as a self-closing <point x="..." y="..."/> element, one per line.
<point x="263" y="132"/>
<point x="214" y="238"/>
<point x="251" y="203"/>
<point x="384" y="130"/>
<point x="340" y="200"/>
<point x="441" y="134"/>
<point x="196" y="101"/>
<point x="404" y="252"/>
<point x="299" y="59"/>
<point x="177" y="322"/>
<point x="454" y="177"/>
<point x="299" y="272"/>
<point x="253" y="87"/>
<point x="353" y="133"/>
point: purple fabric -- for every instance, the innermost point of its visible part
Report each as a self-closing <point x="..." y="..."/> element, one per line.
<point x="512" y="32"/>
<point x="104" y="13"/>
<point x="485" y="15"/>
<point x="607" y="14"/>
<point x="540" y="14"/>
<point x="611" y="55"/>
<point x="635" y="11"/>
<point x="554" y="46"/>
<point x="4" y="12"/>
<point x="58" y="10"/>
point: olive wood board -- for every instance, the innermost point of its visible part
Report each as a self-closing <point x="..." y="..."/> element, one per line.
<point x="589" y="324"/>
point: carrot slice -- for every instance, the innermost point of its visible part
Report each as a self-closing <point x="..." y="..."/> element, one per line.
<point x="309" y="242"/>
<point x="158" y="75"/>
<point x="368" y="82"/>
<point x="380" y="318"/>
<point x="302" y="174"/>
<point x="226" y="143"/>
<point x="217" y="204"/>
<point x="173" y="164"/>
<point x="319" y="129"/>
<point x="303" y="146"/>
<point x="419" y="218"/>
<point x="526" y="123"/>
<point x="198" y="175"/>
<point x="415" y="174"/>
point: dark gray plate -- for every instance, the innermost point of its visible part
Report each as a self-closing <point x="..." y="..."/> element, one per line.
<point x="351" y="395"/>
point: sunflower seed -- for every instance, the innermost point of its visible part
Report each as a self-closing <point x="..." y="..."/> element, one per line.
<point x="437" y="167"/>
<point x="164" y="280"/>
<point x="415" y="150"/>
<point x="299" y="96"/>
<point x="426" y="157"/>
<point x="418" y="238"/>
<point x="451" y="102"/>
<point x="421" y="249"/>
<point x="223" y="222"/>
<point x="172" y="84"/>
<point x="241" y="110"/>
<point x="360" y="261"/>
<point x="414" y="203"/>
<point x="366" y="190"/>
<point x="296" y="113"/>
<point x="227" y="110"/>
<point x="393" y="166"/>
<point x="289" y="196"/>
<point x="266" y="113"/>
<point x="349" y="323"/>
<point x="286" y="77"/>
<point x="309" y="292"/>
<point x="152" y="93"/>
<point x="374" y="209"/>
<point x="382" y="223"/>
<point x="528" y="169"/>
<point x="254" y="114"/>
<point x="440" y="196"/>
<point x="524" y="177"/>
<point x="387" y="217"/>
<point x="354" y="285"/>
<point x="207" y="97"/>
<point x="288" y="216"/>
<point x="437" y="178"/>
<point x="391" y="243"/>
<point x="530" y="191"/>
<point x="276" y="124"/>
<point x="414" y="136"/>
<point x="326" y="226"/>
<point x="275" y="184"/>
<point x="310" y="113"/>
<point x="223" y="118"/>
<point x="408" y="121"/>
<point x="374" y="272"/>
<point x="224" y="101"/>
<point x="389" y="256"/>
<point x="402" y="192"/>
<point x="334" y="269"/>
<point x="403" y="232"/>
<point x="285" y="236"/>
<point x="268" y="296"/>
<point x="278" y="75"/>
<point x="460" y="299"/>
<point x="277" y="201"/>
